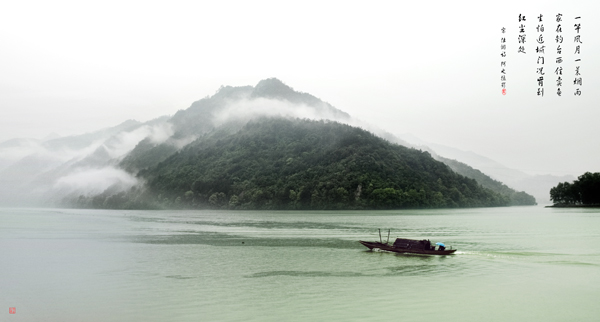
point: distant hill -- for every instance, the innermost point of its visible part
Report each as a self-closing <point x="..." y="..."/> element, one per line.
<point x="536" y="185"/>
<point x="42" y="172"/>
<point x="517" y="198"/>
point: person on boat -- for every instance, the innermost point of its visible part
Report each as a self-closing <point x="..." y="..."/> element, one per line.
<point x="441" y="248"/>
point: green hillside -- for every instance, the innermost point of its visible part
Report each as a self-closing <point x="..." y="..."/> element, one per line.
<point x="275" y="163"/>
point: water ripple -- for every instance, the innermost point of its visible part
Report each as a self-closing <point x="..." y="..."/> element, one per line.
<point x="305" y="274"/>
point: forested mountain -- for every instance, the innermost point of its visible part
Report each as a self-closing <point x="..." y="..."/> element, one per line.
<point x="261" y="147"/>
<point x="277" y="163"/>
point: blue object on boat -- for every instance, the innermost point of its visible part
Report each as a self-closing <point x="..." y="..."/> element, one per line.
<point x="441" y="244"/>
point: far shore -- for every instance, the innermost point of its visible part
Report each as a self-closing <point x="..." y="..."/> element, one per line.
<point x="574" y="206"/>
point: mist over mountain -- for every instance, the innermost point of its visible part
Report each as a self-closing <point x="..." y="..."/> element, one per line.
<point x="233" y="106"/>
<point x="43" y="172"/>
<point x="113" y="166"/>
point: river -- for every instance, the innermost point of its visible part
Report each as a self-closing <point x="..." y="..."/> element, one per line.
<point x="512" y="264"/>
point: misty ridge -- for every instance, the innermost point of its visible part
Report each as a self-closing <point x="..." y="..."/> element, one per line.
<point x="108" y="161"/>
<point x="43" y="172"/>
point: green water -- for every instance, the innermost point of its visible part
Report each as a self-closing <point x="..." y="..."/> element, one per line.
<point x="512" y="264"/>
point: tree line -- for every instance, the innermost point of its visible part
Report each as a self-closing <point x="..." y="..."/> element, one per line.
<point x="583" y="191"/>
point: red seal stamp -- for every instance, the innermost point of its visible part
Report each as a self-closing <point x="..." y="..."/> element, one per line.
<point x="12" y="310"/>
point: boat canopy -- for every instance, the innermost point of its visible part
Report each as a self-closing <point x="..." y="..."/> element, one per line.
<point x="412" y="243"/>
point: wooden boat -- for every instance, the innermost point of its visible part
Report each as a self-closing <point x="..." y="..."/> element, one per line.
<point x="402" y="245"/>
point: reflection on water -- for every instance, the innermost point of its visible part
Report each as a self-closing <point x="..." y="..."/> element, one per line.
<point x="522" y="263"/>
<point x="222" y="239"/>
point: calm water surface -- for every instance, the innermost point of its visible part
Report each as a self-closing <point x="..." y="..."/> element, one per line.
<point x="513" y="264"/>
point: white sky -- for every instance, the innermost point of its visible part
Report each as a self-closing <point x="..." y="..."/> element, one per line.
<point x="431" y="68"/>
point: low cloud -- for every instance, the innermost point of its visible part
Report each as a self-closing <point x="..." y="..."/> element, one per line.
<point x="95" y="181"/>
<point x="122" y="143"/>
<point x="71" y="165"/>
<point x="246" y="109"/>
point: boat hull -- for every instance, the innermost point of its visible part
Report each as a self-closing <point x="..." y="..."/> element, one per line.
<point x="390" y="248"/>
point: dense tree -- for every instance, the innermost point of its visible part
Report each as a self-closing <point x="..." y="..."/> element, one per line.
<point x="583" y="191"/>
